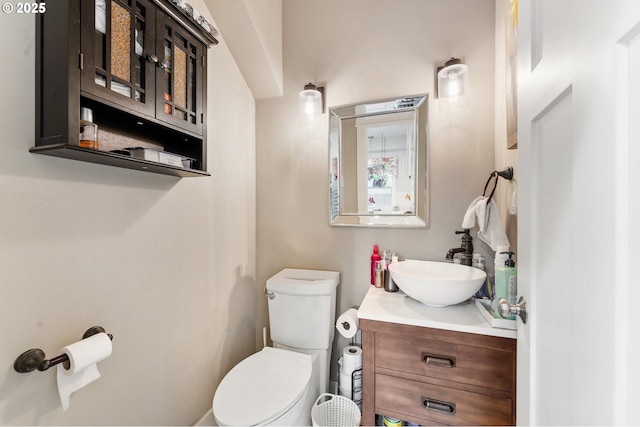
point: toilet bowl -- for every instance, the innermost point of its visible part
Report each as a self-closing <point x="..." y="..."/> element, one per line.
<point x="271" y="387"/>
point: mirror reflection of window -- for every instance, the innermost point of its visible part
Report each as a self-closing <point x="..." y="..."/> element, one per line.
<point x="377" y="154"/>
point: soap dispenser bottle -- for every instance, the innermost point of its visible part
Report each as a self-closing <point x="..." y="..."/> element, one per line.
<point x="506" y="285"/>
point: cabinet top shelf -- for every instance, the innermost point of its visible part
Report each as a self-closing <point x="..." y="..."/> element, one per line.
<point x="191" y="18"/>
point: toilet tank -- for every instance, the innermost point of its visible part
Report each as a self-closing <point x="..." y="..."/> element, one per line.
<point x="302" y="308"/>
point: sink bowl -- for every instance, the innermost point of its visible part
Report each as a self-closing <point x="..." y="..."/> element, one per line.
<point x="435" y="283"/>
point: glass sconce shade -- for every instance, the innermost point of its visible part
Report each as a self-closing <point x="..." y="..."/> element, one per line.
<point x="310" y="100"/>
<point x="453" y="87"/>
<point x="452" y="78"/>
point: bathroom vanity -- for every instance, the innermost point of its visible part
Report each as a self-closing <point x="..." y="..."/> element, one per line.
<point x="429" y="365"/>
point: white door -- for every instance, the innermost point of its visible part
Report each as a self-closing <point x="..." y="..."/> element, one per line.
<point x="578" y="238"/>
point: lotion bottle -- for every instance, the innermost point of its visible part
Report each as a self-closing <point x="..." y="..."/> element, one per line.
<point x="506" y="284"/>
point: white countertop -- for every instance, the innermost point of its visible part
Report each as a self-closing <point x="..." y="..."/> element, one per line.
<point x="396" y="307"/>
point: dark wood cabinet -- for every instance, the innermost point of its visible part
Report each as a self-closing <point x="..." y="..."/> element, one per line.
<point x="140" y="66"/>
<point x="116" y="39"/>
<point x="432" y="376"/>
<point x="179" y="98"/>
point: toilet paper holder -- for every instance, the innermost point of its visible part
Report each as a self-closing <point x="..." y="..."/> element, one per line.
<point x="34" y="358"/>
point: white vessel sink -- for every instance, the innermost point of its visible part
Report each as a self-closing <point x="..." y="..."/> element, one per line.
<point x="437" y="284"/>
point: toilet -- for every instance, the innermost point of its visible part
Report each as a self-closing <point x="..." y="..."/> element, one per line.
<point x="279" y="385"/>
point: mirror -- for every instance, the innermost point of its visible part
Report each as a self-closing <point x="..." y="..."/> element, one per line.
<point x="378" y="163"/>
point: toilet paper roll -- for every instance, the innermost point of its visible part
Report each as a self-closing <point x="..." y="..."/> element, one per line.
<point x="351" y="359"/>
<point x="345" y="381"/>
<point x="347" y="323"/>
<point x="348" y="382"/>
<point x="81" y="368"/>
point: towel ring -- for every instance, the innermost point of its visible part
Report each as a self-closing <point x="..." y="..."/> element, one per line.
<point x="495" y="185"/>
<point x="506" y="174"/>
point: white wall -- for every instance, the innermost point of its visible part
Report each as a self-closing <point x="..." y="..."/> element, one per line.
<point x="363" y="50"/>
<point x="166" y="265"/>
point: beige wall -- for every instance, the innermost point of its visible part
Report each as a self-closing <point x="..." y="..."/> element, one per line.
<point x="370" y="49"/>
<point x="166" y="265"/>
<point x="504" y="157"/>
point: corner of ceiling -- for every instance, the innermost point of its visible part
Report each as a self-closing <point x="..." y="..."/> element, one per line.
<point x="252" y="30"/>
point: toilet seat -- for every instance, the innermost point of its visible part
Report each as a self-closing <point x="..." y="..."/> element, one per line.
<point x="262" y="387"/>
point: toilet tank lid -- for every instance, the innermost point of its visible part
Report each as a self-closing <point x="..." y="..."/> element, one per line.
<point x="296" y="281"/>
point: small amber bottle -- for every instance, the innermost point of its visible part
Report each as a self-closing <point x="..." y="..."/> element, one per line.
<point x="88" y="129"/>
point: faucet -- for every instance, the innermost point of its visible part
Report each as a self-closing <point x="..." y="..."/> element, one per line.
<point x="466" y="249"/>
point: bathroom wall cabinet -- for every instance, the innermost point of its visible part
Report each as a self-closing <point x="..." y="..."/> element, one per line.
<point x="434" y="376"/>
<point x="140" y="65"/>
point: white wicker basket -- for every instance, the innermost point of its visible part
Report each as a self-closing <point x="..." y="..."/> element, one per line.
<point x="335" y="410"/>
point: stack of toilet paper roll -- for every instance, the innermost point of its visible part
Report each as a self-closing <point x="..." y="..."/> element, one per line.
<point x="351" y="373"/>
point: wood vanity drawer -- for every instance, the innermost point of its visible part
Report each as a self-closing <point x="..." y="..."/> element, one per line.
<point x="479" y="366"/>
<point x="429" y="403"/>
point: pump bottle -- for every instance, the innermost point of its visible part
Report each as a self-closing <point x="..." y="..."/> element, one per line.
<point x="506" y="285"/>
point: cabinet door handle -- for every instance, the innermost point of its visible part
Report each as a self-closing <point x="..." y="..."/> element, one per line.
<point x="442" y="361"/>
<point x="439" y="406"/>
<point x="155" y="60"/>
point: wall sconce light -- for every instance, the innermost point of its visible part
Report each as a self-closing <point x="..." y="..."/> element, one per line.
<point x="452" y="78"/>
<point x="311" y="100"/>
<point x="453" y="88"/>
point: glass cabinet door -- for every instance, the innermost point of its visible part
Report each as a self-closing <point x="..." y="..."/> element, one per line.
<point x="118" y="52"/>
<point x="179" y="82"/>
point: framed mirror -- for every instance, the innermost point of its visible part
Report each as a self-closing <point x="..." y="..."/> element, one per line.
<point x="378" y="163"/>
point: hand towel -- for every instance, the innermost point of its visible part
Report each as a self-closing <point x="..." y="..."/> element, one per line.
<point x="469" y="220"/>
<point x="490" y="229"/>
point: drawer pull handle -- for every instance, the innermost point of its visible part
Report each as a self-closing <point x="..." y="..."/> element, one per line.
<point x="440" y="406"/>
<point x="443" y="361"/>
